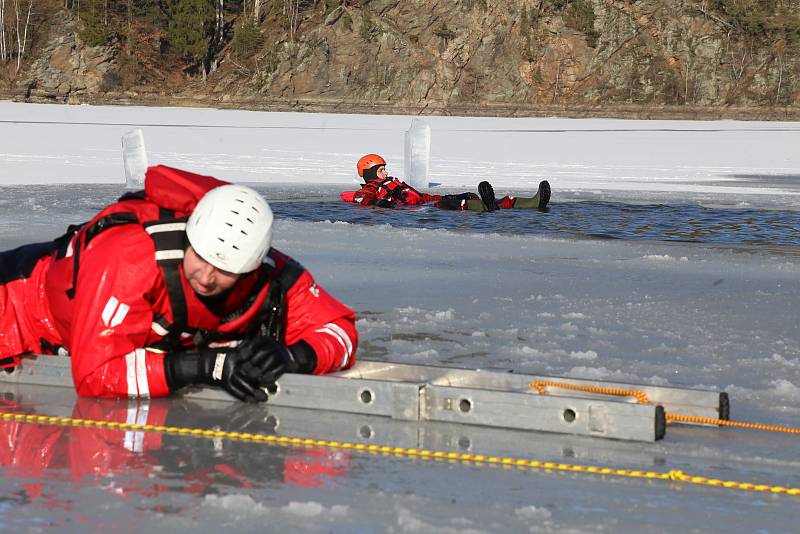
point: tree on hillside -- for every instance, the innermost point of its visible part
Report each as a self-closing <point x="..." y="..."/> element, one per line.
<point x="15" y="30"/>
<point x="189" y="27"/>
<point x="94" y="15"/>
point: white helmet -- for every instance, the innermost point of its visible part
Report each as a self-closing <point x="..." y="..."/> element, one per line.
<point x="231" y="228"/>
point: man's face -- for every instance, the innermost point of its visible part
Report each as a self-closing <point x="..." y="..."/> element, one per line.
<point x="205" y="279"/>
<point x="382" y="172"/>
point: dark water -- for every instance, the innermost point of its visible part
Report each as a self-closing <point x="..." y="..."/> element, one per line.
<point x="589" y="219"/>
<point x="24" y="209"/>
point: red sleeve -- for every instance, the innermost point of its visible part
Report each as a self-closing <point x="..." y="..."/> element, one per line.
<point x="317" y="318"/>
<point x="113" y="315"/>
<point x="366" y="196"/>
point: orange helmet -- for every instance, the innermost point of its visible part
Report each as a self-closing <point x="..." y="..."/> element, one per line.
<point x="369" y="161"/>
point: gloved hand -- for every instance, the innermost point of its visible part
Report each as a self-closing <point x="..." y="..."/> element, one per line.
<point x="242" y="371"/>
<point x="275" y="358"/>
<point x="236" y="370"/>
<point x="385" y="203"/>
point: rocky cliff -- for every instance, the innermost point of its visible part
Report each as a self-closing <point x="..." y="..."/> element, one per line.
<point x="514" y="57"/>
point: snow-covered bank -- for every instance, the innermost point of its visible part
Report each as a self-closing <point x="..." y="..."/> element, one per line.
<point x="712" y="159"/>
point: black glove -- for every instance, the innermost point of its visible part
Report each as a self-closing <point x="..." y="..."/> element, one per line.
<point x="385" y="203"/>
<point x="243" y="371"/>
<point x="8" y="364"/>
<point x="240" y="371"/>
<point x="278" y="359"/>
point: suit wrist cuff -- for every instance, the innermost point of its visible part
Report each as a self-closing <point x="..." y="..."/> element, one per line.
<point x="305" y="356"/>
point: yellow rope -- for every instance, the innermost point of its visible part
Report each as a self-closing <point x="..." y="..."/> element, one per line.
<point x="476" y="459"/>
<point x="542" y="385"/>
<point x="723" y="422"/>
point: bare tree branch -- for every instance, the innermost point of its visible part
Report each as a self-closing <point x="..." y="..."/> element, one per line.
<point x="3" y="49"/>
<point x="22" y="37"/>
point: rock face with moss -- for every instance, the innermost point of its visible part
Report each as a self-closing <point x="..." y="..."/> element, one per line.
<point x="476" y="56"/>
<point x="66" y="68"/>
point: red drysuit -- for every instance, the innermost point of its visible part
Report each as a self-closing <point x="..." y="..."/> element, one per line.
<point x="113" y="294"/>
<point x="391" y="190"/>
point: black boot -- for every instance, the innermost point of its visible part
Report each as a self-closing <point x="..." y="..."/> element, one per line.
<point x="486" y="191"/>
<point x="543" y="194"/>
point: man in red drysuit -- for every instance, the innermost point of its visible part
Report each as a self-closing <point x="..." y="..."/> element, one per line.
<point x="385" y="191"/>
<point x="172" y="286"/>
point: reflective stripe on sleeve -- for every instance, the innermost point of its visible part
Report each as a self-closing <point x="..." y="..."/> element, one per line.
<point x="114" y="312"/>
<point x="137" y="374"/>
<point x="341" y="336"/>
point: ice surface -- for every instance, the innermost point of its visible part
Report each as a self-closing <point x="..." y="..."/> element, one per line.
<point x="666" y="313"/>
<point x="635" y="159"/>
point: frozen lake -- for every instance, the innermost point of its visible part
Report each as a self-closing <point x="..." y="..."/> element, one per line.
<point x="669" y="256"/>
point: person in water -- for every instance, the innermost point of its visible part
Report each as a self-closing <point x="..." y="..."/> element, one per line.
<point x="385" y="191"/>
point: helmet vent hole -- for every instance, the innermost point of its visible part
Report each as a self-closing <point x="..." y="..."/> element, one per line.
<point x="249" y="220"/>
<point x="235" y="212"/>
<point x="221" y="240"/>
<point x="229" y="224"/>
<point x="235" y="247"/>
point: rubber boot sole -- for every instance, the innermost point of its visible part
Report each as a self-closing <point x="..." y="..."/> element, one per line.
<point x="486" y="191"/>
<point x="544" y="194"/>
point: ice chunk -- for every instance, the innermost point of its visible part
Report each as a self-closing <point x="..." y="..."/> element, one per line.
<point x="417" y="154"/>
<point x="134" y="156"/>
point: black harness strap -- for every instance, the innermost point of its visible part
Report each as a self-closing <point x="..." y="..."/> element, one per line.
<point x="133" y="195"/>
<point x="109" y="221"/>
<point x="62" y="243"/>
<point x="169" y="237"/>
<point x="272" y="317"/>
<point x="89" y="233"/>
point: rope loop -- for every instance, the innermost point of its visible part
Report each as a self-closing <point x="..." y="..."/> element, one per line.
<point x="542" y="385"/>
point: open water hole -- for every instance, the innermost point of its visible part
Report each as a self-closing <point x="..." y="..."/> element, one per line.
<point x="584" y="219"/>
<point x="23" y="208"/>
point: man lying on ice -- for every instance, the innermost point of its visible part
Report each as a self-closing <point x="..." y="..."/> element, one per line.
<point x="385" y="191"/>
<point x="172" y="286"/>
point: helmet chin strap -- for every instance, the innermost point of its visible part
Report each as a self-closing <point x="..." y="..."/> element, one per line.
<point x="371" y="173"/>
